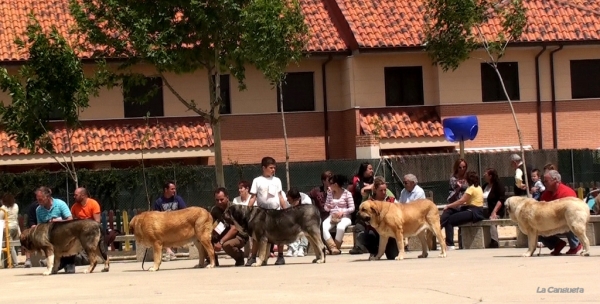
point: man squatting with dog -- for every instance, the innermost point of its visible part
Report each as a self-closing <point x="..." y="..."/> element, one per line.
<point x="53" y="210"/>
<point x="555" y="189"/>
<point x="229" y="240"/>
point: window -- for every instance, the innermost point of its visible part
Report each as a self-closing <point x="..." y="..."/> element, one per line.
<point x="144" y="98"/>
<point x="404" y="86"/>
<point x="55" y="114"/>
<point x="584" y="78"/>
<point x="225" y="94"/>
<point x="298" y="92"/>
<point x="491" y="88"/>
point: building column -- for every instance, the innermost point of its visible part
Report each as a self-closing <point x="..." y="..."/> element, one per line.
<point x="367" y="147"/>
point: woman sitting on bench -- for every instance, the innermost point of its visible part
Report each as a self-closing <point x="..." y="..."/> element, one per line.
<point x="467" y="209"/>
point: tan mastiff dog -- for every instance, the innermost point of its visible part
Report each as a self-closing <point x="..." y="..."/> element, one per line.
<point x="173" y="229"/>
<point x="549" y="218"/>
<point x="403" y="220"/>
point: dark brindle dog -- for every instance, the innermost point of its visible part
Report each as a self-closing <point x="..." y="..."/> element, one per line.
<point x="58" y="239"/>
<point x="278" y="227"/>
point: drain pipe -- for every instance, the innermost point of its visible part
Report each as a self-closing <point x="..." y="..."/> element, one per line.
<point x="553" y="89"/>
<point x="539" y="98"/>
<point x="325" y="113"/>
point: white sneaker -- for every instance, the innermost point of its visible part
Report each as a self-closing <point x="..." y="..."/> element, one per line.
<point x="289" y="253"/>
<point x="300" y="252"/>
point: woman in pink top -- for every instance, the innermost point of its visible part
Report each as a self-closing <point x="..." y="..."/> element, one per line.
<point x="340" y="205"/>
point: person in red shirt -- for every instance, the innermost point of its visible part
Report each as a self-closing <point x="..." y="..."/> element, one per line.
<point x="555" y="189"/>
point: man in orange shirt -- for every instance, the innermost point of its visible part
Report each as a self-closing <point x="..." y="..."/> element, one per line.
<point x="85" y="207"/>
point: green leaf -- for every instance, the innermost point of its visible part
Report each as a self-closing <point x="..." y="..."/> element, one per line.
<point x="455" y="28"/>
<point x="51" y="81"/>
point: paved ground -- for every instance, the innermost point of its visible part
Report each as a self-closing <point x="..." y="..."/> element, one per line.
<point x="465" y="276"/>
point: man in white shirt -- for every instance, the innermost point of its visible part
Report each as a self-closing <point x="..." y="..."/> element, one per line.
<point x="411" y="190"/>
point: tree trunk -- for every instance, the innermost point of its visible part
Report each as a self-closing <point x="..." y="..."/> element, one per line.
<point x="216" y="123"/>
<point x="285" y="139"/>
<point x="512" y="109"/>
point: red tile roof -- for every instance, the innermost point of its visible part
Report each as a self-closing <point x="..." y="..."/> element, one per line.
<point x="122" y="137"/>
<point x="401" y="124"/>
<point x="372" y="23"/>
<point x="324" y="37"/>
<point x="13" y="22"/>
<point x="399" y="23"/>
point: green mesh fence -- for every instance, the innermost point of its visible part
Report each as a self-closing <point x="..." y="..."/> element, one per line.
<point x="124" y="188"/>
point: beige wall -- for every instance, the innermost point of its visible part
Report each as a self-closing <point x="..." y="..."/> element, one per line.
<point x="258" y="97"/>
<point x="356" y="81"/>
<point x="463" y="85"/>
<point x="367" y="72"/>
<point x="562" y="67"/>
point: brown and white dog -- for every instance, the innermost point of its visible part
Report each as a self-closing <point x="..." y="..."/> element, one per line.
<point x="549" y="218"/>
<point x="403" y="220"/>
<point x="173" y="229"/>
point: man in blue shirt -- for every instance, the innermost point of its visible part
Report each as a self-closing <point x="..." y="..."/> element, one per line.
<point x="169" y="201"/>
<point x="53" y="210"/>
<point x="411" y="191"/>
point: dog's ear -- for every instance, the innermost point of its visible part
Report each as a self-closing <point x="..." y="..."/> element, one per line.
<point x="507" y="204"/>
<point x="375" y="208"/>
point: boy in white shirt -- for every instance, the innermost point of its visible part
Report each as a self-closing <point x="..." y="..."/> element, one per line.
<point x="267" y="193"/>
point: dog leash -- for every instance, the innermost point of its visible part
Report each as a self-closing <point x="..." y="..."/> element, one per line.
<point x="144" y="259"/>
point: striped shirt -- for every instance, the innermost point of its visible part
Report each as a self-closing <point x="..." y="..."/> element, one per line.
<point x="344" y="204"/>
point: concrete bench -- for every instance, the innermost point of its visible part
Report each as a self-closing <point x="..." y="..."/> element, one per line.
<point x="477" y="235"/>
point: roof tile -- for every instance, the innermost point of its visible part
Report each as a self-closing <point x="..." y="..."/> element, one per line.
<point x="420" y="122"/>
<point x="122" y="137"/>
<point x="13" y="22"/>
<point x="399" y="23"/>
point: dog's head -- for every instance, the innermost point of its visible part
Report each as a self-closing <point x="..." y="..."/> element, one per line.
<point x="369" y="212"/>
<point x="25" y="239"/>
<point x="512" y="203"/>
<point x="132" y="224"/>
<point x="237" y="215"/>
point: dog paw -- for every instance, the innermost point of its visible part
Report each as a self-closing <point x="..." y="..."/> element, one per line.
<point x="399" y="258"/>
<point x="105" y="270"/>
<point x="442" y="255"/>
<point x="210" y="266"/>
<point x="318" y="261"/>
<point x="47" y="272"/>
<point x="86" y="271"/>
<point x="585" y="253"/>
<point x="255" y="265"/>
<point x="422" y="256"/>
<point x="373" y="258"/>
<point x="152" y="269"/>
<point x="526" y="255"/>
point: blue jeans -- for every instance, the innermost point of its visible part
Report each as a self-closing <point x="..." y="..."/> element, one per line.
<point x="552" y="241"/>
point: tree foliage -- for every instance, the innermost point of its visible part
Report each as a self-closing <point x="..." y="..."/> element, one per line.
<point x="183" y="37"/>
<point x="52" y="82"/>
<point x="456" y="28"/>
